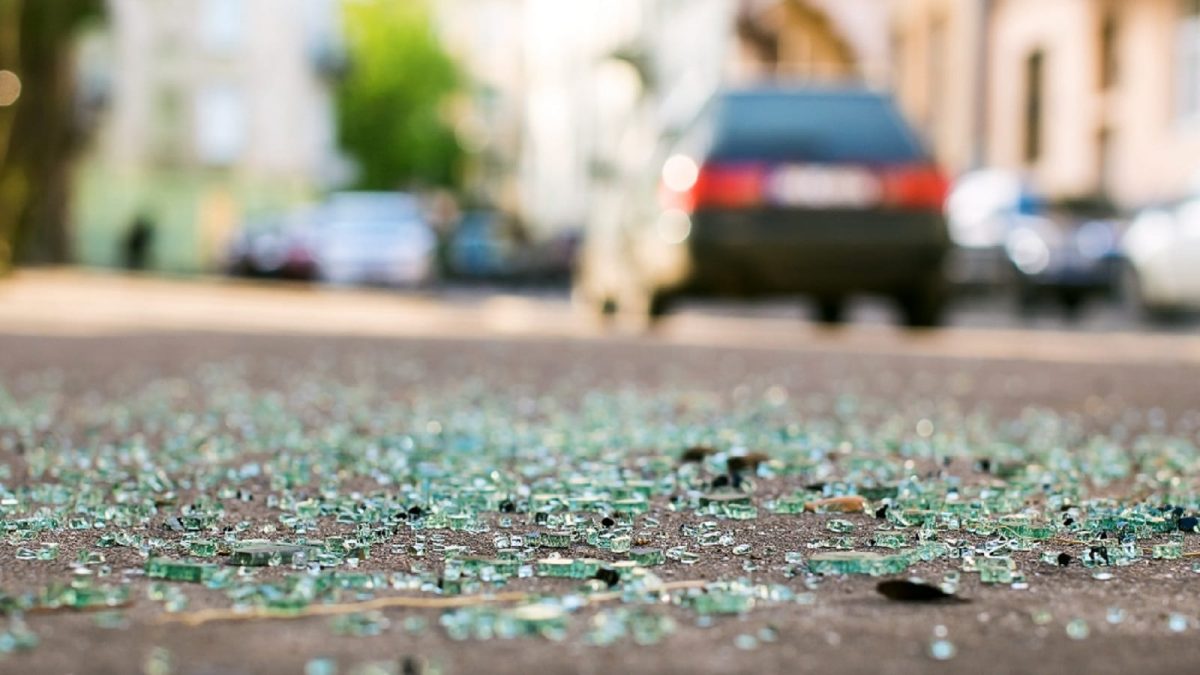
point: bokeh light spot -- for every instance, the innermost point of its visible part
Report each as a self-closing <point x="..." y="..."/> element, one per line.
<point x="10" y="88"/>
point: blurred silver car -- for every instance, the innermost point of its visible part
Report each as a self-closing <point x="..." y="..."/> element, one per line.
<point x="378" y="238"/>
<point x="1162" y="246"/>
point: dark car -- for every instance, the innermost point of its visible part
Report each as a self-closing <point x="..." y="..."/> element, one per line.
<point x="480" y="248"/>
<point x="274" y="248"/>
<point x="820" y="192"/>
<point x="1067" y="257"/>
<point x="1009" y="237"/>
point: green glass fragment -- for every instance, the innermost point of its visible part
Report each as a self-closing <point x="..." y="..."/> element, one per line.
<point x="261" y="554"/>
<point x="997" y="570"/>
<point x="859" y="562"/>
<point x="178" y="570"/>
<point x="647" y="556"/>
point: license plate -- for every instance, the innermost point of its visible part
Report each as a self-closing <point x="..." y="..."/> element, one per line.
<point x="812" y="186"/>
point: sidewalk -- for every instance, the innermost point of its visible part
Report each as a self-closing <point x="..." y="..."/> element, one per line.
<point x="80" y="302"/>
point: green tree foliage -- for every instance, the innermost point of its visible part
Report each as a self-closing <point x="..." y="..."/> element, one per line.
<point x="38" y="134"/>
<point x="391" y="104"/>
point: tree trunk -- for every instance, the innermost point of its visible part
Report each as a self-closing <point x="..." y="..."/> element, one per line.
<point x="38" y="134"/>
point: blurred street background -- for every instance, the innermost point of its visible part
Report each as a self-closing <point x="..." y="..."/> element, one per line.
<point x="601" y="151"/>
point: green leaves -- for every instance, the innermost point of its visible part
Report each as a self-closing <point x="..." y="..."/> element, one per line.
<point x="392" y="106"/>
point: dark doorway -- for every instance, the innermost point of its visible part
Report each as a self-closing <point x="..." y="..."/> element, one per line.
<point x="1035" y="66"/>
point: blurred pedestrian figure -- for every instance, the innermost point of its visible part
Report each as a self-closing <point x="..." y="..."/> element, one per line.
<point x="444" y="216"/>
<point x="136" y="245"/>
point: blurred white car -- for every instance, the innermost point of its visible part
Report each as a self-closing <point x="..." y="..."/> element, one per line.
<point x="377" y="238"/>
<point x="983" y="209"/>
<point x="1163" y="249"/>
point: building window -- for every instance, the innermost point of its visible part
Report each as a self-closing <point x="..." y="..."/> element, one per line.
<point x="220" y="125"/>
<point x="1109" y="35"/>
<point x="168" y="133"/>
<point x="1188" y="60"/>
<point x="1035" y="66"/>
<point x="935" y="69"/>
<point x="222" y="25"/>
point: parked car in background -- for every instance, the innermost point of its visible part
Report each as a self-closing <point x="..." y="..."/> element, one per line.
<point x="1162" y="246"/>
<point x="546" y="259"/>
<point x="275" y="248"/>
<point x="1065" y="256"/>
<point x="374" y="238"/>
<point x="1008" y="239"/>
<point x="820" y="192"/>
<point x="353" y="238"/>
<point x="480" y="248"/>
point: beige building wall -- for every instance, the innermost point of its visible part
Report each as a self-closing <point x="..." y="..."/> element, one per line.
<point x="1124" y="137"/>
<point x="1152" y="151"/>
<point x="561" y="105"/>
<point x="217" y="110"/>
<point x="1157" y="147"/>
<point x="255" y="59"/>
<point x="1066" y="33"/>
<point x="814" y="40"/>
<point x="936" y="55"/>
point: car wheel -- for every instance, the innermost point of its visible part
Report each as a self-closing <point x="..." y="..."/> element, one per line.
<point x="924" y="306"/>
<point x="1072" y="304"/>
<point x="1027" y="299"/>
<point x="830" y="310"/>
<point x="1166" y="317"/>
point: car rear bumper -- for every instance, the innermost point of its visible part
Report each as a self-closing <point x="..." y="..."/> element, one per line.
<point x="828" y="252"/>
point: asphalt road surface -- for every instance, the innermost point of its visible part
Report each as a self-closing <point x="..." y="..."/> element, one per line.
<point x="90" y="355"/>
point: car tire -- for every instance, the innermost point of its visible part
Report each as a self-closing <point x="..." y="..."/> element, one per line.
<point x="658" y="306"/>
<point x="1027" y="299"/>
<point x="1166" y="317"/>
<point x="830" y="310"/>
<point x="1072" y="303"/>
<point x="925" y="305"/>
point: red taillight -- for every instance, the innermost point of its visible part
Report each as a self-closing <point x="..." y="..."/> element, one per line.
<point x="915" y="187"/>
<point x="730" y="185"/>
<point x="745" y="185"/>
<point x="720" y="186"/>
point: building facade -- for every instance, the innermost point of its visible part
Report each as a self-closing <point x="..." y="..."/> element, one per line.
<point x="1090" y="99"/>
<point x="565" y="93"/>
<point x="570" y="98"/>
<point x="214" y="110"/>
<point x="813" y="41"/>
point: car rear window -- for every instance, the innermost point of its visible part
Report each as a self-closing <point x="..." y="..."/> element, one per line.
<point x="826" y="127"/>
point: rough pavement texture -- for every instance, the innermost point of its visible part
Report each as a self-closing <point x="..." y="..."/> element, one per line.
<point x="849" y="628"/>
